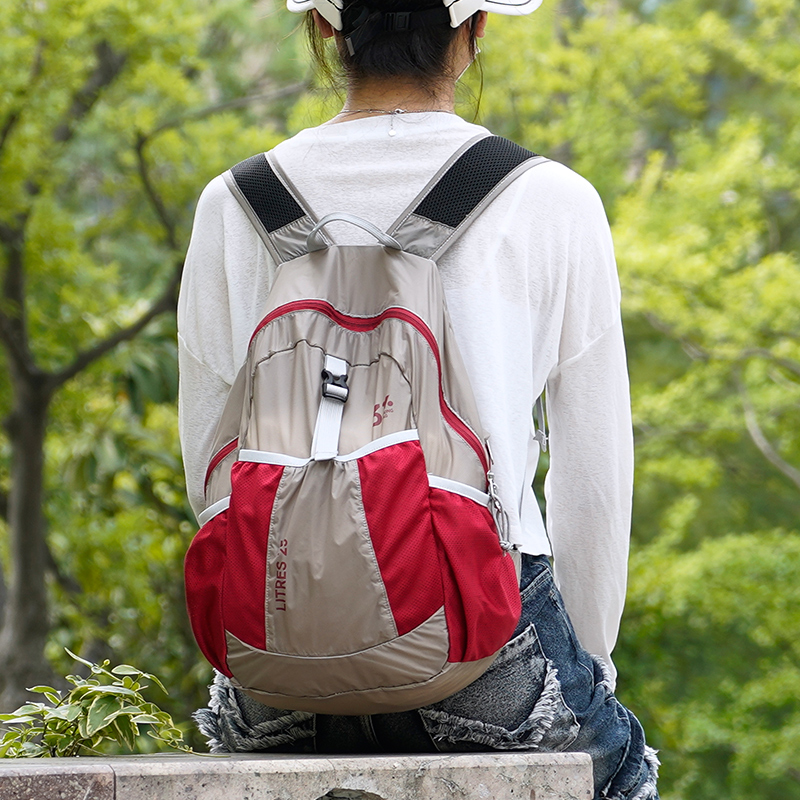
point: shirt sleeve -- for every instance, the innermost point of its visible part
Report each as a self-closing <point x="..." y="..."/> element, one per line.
<point x="226" y="278"/>
<point x="589" y="488"/>
<point x="201" y="397"/>
<point x="226" y="281"/>
<point x="204" y="334"/>
<point x="589" y="485"/>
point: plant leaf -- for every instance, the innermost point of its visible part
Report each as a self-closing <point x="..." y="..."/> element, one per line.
<point x="29" y="708"/>
<point x="156" y="681"/>
<point x="42" y="689"/>
<point x="127" y="731"/>
<point x="101" y="712"/>
<point x="68" y="712"/>
<point x="148" y="719"/>
<point x="126" y="669"/>
<point x="106" y="690"/>
<point x="78" y="658"/>
<point x="31" y="749"/>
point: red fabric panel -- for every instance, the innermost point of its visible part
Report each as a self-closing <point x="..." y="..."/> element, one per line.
<point x="203" y="568"/>
<point x="254" y="489"/>
<point x="394" y="490"/>
<point x="482" y="602"/>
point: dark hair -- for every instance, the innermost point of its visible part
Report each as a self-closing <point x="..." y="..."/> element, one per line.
<point x="419" y="54"/>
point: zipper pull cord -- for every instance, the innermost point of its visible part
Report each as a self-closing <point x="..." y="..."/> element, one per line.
<point x="499" y="514"/>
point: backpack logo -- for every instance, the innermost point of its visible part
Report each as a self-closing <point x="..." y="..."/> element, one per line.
<point x="381" y="411"/>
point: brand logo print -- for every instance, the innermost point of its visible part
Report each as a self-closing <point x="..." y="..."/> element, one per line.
<point x="280" y="576"/>
<point x="381" y="411"/>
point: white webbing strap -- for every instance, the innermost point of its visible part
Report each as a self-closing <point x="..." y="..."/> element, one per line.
<point x="325" y="444"/>
<point x="539" y="424"/>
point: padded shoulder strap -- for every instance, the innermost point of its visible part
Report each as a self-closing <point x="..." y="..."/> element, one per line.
<point x="457" y="194"/>
<point x="276" y="210"/>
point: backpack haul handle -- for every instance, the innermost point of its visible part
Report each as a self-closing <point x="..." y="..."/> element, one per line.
<point x="316" y="241"/>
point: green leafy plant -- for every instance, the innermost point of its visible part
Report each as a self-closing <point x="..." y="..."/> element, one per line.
<point x="101" y="711"/>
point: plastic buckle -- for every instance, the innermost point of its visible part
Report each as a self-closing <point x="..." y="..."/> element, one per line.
<point x="398" y="21"/>
<point x="335" y="386"/>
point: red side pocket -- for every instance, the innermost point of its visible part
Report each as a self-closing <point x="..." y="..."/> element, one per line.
<point x="482" y="602"/>
<point x="203" y="571"/>
<point x="394" y="488"/>
<point x="254" y="488"/>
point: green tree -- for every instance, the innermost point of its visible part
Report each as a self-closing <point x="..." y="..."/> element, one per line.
<point x="112" y="117"/>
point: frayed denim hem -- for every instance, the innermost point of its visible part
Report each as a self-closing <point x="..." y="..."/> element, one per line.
<point x="606" y="680"/>
<point x="444" y="727"/>
<point x="226" y="727"/>
<point x="649" y="789"/>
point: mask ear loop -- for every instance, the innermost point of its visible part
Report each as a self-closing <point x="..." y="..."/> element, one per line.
<point x="475" y="54"/>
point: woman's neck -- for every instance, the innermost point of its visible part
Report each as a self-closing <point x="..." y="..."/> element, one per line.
<point x="375" y="96"/>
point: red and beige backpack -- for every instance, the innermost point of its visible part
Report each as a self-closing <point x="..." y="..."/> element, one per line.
<point x="353" y="557"/>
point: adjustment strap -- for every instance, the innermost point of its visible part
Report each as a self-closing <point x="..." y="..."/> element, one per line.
<point x="368" y="25"/>
<point x="274" y="207"/>
<point x="457" y="194"/>
<point x="325" y="444"/>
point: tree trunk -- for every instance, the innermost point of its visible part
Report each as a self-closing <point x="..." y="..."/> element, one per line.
<point x="25" y="618"/>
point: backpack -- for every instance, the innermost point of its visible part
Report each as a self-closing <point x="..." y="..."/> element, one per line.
<point x="353" y="555"/>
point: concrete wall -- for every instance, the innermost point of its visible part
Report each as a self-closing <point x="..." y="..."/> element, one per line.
<point x="502" y="776"/>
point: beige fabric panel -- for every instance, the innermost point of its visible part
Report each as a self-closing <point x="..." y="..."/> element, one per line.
<point x="380" y="403"/>
<point x="419" y="235"/>
<point x="362" y="282"/>
<point x="409" y="671"/>
<point x="290" y="240"/>
<point x="318" y="537"/>
<point x="287" y="424"/>
<point x="407" y="659"/>
<point x="376" y="380"/>
<point x="381" y="700"/>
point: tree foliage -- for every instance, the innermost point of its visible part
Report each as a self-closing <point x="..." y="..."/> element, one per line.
<point x="112" y="116"/>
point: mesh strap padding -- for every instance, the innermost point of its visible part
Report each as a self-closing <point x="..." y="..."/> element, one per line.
<point x="471" y="177"/>
<point x="271" y="201"/>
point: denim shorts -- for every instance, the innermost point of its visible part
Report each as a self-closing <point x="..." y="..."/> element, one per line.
<point x="543" y="693"/>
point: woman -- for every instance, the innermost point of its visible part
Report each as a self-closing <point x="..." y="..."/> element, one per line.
<point x="533" y="295"/>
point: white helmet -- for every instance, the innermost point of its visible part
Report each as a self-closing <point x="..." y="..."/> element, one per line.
<point x="459" y="9"/>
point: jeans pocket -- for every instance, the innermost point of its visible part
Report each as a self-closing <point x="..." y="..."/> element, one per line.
<point x="517" y="704"/>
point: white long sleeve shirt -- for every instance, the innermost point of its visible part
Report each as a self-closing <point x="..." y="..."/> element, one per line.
<point x="533" y="295"/>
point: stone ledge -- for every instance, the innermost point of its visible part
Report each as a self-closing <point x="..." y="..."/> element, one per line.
<point x="495" y="776"/>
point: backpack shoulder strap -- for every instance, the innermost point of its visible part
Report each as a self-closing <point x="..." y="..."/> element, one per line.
<point x="273" y="205"/>
<point x="457" y="194"/>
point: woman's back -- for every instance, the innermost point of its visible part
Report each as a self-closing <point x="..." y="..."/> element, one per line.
<point x="531" y="284"/>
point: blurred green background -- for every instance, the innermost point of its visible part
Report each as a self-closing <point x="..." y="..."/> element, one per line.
<point x="685" y="114"/>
